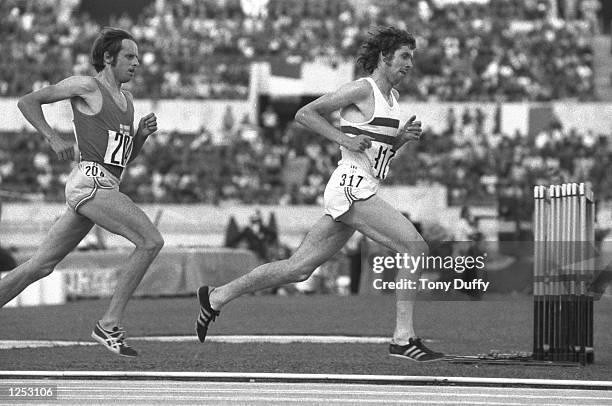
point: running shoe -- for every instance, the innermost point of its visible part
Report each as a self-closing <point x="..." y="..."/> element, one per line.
<point x="207" y="313"/>
<point x="113" y="340"/>
<point x="415" y="350"/>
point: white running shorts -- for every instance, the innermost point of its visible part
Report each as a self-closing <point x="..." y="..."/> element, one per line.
<point x="346" y="185"/>
<point x="85" y="179"/>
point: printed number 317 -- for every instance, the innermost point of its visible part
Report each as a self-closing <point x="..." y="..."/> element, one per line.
<point x="350" y="180"/>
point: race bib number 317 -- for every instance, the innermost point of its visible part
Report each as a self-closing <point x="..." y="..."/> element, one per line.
<point x="119" y="146"/>
<point x="382" y="159"/>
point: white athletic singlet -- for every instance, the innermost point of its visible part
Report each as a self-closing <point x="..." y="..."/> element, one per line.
<point x="382" y="127"/>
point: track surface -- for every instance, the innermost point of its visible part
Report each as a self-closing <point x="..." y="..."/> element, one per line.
<point x="453" y="327"/>
<point x="115" y="392"/>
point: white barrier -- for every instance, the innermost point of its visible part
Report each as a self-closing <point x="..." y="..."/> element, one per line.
<point x="191" y="115"/>
<point x="26" y="224"/>
<point x="47" y="291"/>
<point x="172" y="115"/>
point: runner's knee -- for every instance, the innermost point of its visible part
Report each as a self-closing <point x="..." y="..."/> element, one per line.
<point x="303" y="275"/>
<point x="152" y="242"/>
<point x="38" y="271"/>
<point x="423" y="247"/>
<point x="417" y="247"/>
<point x="300" y="272"/>
<point x="42" y="273"/>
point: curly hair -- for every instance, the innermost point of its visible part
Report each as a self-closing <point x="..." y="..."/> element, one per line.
<point x="385" y="40"/>
<point x="109" y="41"/>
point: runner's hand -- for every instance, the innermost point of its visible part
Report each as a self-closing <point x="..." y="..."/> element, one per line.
<point x="358" y="143"/>
<point x="411" y="131"/>
<point x="63" y="149"/>
<point x="148" y="124"/>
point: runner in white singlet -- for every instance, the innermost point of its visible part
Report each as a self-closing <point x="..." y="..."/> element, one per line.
<point x="359" y="173"/>
<point x="370" y="136"/>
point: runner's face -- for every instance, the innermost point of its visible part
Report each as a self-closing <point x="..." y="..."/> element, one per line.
<point x="126" y="61"/>
<point x="401" y="62"/>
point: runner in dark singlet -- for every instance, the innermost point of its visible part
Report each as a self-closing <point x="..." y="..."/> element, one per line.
<point x="107" y="142"/>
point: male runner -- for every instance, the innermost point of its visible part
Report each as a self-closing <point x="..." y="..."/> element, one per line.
<point x="369" y="136"/>
<point x="103" y="125"/>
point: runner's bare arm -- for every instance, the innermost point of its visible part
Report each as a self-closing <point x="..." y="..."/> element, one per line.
<point x="146" y="126"/>
<point x="30" y="106"/>
<point x="411" y="131"/>
<point x="312" y="115"/>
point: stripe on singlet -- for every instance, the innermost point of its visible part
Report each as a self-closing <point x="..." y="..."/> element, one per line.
<point x="385" y="122"/>
<point x="385" y="139"/>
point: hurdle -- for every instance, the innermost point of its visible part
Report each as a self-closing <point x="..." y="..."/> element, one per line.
<point x="564" y="236"/>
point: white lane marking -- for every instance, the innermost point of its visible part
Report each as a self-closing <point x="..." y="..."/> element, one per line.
<point x="15" y="344"/>
<point x="230" y="339"/>
<point x="266" y="392"/>
<point x="167" y="391"/>
<point x="275" y="339"/>
<point x="254" y="397"/>
<point x="329" y="378"/>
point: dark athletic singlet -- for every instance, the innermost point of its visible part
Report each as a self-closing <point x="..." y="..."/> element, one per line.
<point x="106" y="137"/>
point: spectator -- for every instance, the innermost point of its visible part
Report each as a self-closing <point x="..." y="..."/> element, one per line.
<point x="509" y="49"/>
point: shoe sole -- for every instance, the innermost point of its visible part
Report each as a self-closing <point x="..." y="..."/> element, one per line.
<point x="198" y="295"/>
<point x="416" y="360"/>
<point x="196" y="330"/>
<point x="198" y="316"/>
<point x="103" y="344"/>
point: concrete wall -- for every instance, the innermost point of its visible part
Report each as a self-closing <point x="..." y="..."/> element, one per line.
<point x="26" y="224"/>
<point x="190" y="115"/>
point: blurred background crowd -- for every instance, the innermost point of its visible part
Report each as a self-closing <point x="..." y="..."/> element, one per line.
<point x="494" y="52"/>
<point x="506" y="50"/>
<point x="477" y="168"/>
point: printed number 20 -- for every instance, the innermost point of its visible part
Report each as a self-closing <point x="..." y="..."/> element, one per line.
<point x="93" y="171"/>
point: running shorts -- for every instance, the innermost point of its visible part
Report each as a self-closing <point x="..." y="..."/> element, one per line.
<point x="85" y="180"/>
<point x="347" y="184"/>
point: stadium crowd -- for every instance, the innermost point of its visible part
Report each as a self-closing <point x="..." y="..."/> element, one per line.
<point x="477" y="167"/>
<point x="505" y="50"/>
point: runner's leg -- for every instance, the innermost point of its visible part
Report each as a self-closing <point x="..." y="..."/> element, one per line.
<point x="118" y="214"/>
<point x="381" y="222"/>
<point x="63" y="237"/>
<point x="325" y="239"/>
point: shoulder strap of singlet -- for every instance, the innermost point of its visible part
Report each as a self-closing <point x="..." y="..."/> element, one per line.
<point x="130" y="100"/>
<point x="102" y="88"/>
<point x="107" y="95"/>
<point x="377" y="93"/>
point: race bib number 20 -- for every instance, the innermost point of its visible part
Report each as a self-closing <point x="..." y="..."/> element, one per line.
<point x="119" y="146"/>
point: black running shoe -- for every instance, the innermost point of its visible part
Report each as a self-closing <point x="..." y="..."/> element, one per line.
<point x="415" y="350"/>
<point x="207" y="313"/>
<point x="113" y="340"/>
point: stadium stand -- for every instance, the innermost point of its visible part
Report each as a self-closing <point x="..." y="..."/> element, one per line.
<point x="476" y="169"/>
<point x="202" y="49"/>
<point x="510" y="51"/>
